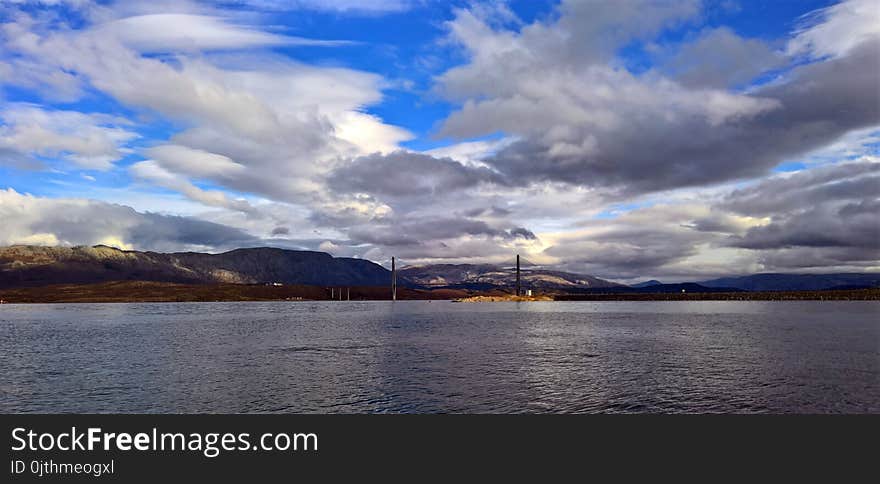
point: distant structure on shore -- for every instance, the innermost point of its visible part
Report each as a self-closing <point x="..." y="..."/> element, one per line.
<point x="518" y="289"/>
<point x="393" y="280"/>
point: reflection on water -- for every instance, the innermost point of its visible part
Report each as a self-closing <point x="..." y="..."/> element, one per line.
<point x="420" y="356"/>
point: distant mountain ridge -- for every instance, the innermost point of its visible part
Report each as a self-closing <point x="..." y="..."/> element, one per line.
<point x="652" y="282"/>
<point x="796" y="282"/>
<point x="484" y="276"/>
<point x="35" y="266"/>
<point x="22" y="266"/>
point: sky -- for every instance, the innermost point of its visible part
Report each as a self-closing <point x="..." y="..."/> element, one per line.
<point x="629" y="140"/>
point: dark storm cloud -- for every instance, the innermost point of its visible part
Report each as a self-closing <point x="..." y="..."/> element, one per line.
<point x="855" y="225"/>
<point x="820" y="103"/>
<point x="406" y="174"/>
<point x="281" y="231"/>
<point x="825" y="216"/>
<point x="415" y="232"/>
<point x="718" y="222"/>
<point x="622" y="260"/>
<point x="523" y="233"/>
<point x="830" y="206"/>
<point x="164" y="232"/>
<point x="846" y="181"/>
<point x="628" y="250"/>
<point x="493" y="211"/>
<point x="844" y="259"/>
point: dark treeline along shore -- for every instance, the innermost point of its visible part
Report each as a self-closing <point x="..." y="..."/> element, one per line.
<point x="31" y="274"/>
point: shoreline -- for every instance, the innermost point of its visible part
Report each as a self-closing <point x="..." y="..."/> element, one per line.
<point x="163" y="292"/>
<point x="823" y="295"/>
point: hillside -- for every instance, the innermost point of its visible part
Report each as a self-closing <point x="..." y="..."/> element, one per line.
<point x="652" y="282"/>
<point x="22" y="266"/>
<point x="796" y="282"/>
<point x="485" y="276"/>
<point x="31" y="266"/>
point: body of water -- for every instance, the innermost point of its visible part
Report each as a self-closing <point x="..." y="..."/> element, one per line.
<point x="421" y="356"/>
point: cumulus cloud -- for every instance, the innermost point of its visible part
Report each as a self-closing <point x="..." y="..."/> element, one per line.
<point x="285" y="122"/>
<point x="590" y="123"/>
<point x="720" y="58"/>
<point x="44" y="221"/>
<point x="851" y="225"/>
<point x="407" y="174"/>
<point x="640" y="242"/>
<point x="417" y="232"/>
<point x="824" y="218"/>
<point x="856" y="180"/>
<point x="827" y="213"/>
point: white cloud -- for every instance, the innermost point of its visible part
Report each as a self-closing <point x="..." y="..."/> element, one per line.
<point x="285" y="122"/>
<point x="92" y="141"/>
<point x="558" y="76"/>
<point x="150" y="171"/>
<point x="34" y="239"/>
<point x="855" y="144"/>
<point x="836" y="30"/>
<point x="470" y="152"/>
<point x="581" y="117"/>
<point x="179" y="32"/>
<point x="198" y="163"/>
<point x="346" y="6"/>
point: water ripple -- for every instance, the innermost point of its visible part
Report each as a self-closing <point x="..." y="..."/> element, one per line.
<point x="415" y="357"/>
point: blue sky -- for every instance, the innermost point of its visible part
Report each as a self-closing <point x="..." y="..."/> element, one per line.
<point x="625" y="139"/>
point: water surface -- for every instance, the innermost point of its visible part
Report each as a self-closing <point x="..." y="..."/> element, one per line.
<point x="420" y="356"/>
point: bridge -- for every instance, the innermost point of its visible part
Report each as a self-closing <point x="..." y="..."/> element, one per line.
<point x="513" y="266"/>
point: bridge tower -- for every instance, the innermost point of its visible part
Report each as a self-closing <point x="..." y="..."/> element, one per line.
<point x="393" y="280"/>
<point x="518" y="292"/>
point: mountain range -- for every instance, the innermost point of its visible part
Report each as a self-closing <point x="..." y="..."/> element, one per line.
<point x="26" y="266"/>
<point x="652" y="282"/>
<point x="484" y="276"/>
<point x="796" y="282"/>
<point x="34" y="266"/>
